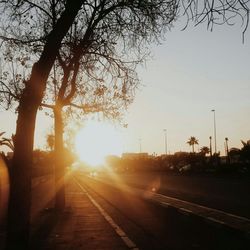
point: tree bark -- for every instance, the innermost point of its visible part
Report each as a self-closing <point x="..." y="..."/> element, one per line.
<point x="59" y="160"/>
<point x="20" y="178"/>
<point x="20" y="173"/>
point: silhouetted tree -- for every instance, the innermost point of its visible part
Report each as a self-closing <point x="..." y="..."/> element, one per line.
<point x="28" y="24"/>
<point x="21" y="14"/>
<point x="216" y="12"/>
<point x="50" y="140"/>
<point x="8" y="142"/>
<point x="192" y="141"/>
<point x="245" y="151"/>
<point x="234" y="151"/>
<point x="204" y="150"/>
<point x="96" y="80"/>
<point x="33" y="22"/>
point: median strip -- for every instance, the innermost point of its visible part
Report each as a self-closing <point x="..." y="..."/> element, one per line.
<point x="211" y="215"/>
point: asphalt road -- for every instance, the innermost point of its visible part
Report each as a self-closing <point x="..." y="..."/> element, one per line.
<point x="231" y="195"/>
<point x="151" y="226"/>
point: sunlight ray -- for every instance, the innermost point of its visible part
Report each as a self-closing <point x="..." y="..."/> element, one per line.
<point x="97" y="140"/>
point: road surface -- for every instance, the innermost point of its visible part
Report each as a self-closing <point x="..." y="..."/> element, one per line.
<point x="231" y="195"/>
<point x="152" y="226"/>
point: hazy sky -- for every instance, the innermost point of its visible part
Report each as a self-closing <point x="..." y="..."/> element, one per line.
<point x="189" y="74"/>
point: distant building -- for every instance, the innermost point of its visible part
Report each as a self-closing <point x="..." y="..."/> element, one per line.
<point x="135" y="155"/>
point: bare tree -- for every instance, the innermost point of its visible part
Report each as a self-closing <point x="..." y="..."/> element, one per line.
<point x="28" y="25"/>
<point x="217" y="12"/>
<point x="20" y="173"/>
<point x="99" y="83"/>
<point x="96" y="80"/>
<point x="41" y="27"/>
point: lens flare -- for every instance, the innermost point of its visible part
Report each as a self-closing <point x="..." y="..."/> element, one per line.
<point x="4" y="189"/>
<point x="97" y="140"/>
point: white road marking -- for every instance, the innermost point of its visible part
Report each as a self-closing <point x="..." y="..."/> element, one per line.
<point x="203" y="207"/>
<point x="129" y="243"/>
<point x="217" y="222"/>
<point x="185" y="211"/>
<point x="207" y="213"/>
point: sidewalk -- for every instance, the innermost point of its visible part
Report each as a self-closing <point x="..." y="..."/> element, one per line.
<point x="81" y="226"/>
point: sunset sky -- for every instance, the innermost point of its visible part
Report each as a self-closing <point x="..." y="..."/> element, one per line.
<point x="191" y="73"/>
<point x="188" y="75"/>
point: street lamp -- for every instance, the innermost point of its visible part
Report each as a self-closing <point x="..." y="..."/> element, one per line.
<point x="210" y="146"/>
<point x="165" y="140"/>
<point x="227" y="151"/>
<point x="215" y="146"/>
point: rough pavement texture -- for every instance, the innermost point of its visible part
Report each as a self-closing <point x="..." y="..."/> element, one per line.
<point x="80" y="226"/>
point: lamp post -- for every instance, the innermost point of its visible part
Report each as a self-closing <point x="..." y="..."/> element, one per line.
<point x="210" y="146"/>
<point x="227" y="151"/>
<point x="215" y="146"/>
<point x="165" y="141"/>
<point x="140" y="145"/>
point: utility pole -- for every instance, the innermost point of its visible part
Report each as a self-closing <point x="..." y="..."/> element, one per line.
<point x="215" y="145"/>
<point x="227" y="151"/>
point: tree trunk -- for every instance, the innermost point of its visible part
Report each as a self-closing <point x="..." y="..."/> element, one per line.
<point x="20" y="173"/>
<point x="20" y="178"/>
<point x="59" y="160"/>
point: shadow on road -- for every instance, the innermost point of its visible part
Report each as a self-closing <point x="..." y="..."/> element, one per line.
<point x="44" y="229"/>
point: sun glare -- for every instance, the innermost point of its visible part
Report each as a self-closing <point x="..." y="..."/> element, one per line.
<point x="97" y="140"/>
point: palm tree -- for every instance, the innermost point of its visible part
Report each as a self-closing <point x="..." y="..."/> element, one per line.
<point x="7" y="142"/>
<point x="234" y="154"/>
<point x="2" y="133"/>
<point x="245" y="151"/>
<point x="192" y="141"/>
<point x="205" y="150"/>
<point x="245" y="143"/>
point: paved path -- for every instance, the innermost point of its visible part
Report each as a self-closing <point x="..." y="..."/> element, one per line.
<point x="82" y="226"/>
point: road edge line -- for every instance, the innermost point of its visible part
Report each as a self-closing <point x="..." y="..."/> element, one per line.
<point x="120" y="232"/>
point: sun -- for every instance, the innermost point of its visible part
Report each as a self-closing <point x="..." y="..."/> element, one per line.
<point x="97" y="140"/>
